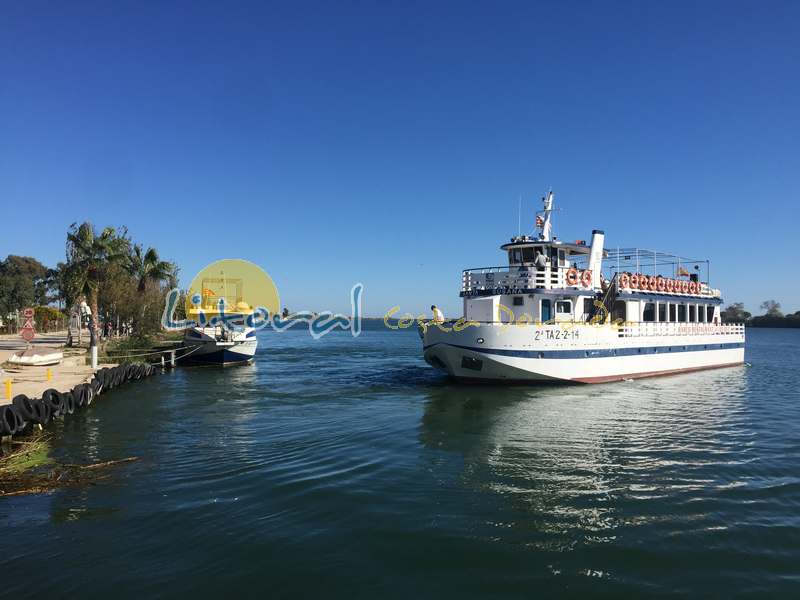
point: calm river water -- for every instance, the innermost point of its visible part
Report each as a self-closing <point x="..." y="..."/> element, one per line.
<point x="349" y="468"/>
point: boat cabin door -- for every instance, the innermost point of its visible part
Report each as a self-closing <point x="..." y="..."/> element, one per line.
<point x="547" y="310"/>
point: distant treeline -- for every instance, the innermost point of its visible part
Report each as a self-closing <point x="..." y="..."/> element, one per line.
<point x="772" y="317"/>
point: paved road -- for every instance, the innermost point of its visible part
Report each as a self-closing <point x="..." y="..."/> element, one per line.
<point x="11" y="342"/>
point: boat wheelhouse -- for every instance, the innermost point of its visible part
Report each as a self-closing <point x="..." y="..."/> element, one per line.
<point x="584" y="313"/>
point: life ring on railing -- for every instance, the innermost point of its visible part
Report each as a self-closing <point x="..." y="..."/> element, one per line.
<point x="625" y="280"/>
<point x="660" y="284"/>
<point x="642" y="282"/>
<point x="635" y="280"/>
<point x="586" y="278"/>
<point x="684" y="286"/>
<point x="572" y="276"/>
<point x="692" y="287"/>
<point x="651" y="283"/>
<point x="669" y="285"/>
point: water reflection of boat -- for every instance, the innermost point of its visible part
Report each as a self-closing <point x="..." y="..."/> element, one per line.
<point x="580" y="459"/>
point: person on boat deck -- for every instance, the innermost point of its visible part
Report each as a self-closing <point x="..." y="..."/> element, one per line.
<point x="540" y="260"/>
<point x="438" y="315"/>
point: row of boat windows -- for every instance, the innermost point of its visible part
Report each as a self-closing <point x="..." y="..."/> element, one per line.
<point x="518" y="256"/>
<point x="563" y="307"/>
<point x="677" y="313"/>
<point x="667" y="312"/>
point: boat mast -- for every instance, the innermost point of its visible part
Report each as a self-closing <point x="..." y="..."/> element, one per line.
<point x="543" y="223"/>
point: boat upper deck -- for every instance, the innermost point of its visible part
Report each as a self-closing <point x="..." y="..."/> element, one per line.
<point x="549" y="267"/>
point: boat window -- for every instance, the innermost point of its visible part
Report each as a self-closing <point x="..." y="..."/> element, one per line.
<point x="618" y="312"/>
<point x="673" y="313"/>
<point x="662" y="311"/>
<point x="649" y="314"/>
<point x="562" y="258"/>
<point x="693" y="313"/>
<point x="701" y="313"/>
<point x="588" y="308"/>
<point x="516" y="256"/>
<point x="527" y="254"/>
<point x="681" y="313"/>
<point x="519" y="301"/>
<point x="710" y="313"/>
<point x="564" y="307"/>
<point x="545" y="310"/>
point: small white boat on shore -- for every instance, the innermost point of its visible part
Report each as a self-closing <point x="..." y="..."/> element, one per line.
<point x="39" y="356"/>
<point x="573" y="312"/>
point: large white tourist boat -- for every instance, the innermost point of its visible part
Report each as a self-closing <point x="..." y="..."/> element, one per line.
<point x="574" y="312"/>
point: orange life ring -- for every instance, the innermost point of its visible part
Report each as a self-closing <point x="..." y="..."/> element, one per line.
<point x="635" y="280"/>
<point x="692" y="287"/>
<point x="642" y="282"/>
<point x="572" y="276"/>
<point x="669" y="285"/>
<point x="660" y="284"/>
<point x="684" y="286"/>
<point x="625" y="280"/>
<point x="586" y="278"/>
<point x="651" y="283"/>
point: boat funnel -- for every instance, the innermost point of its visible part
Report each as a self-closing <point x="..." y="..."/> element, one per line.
<point x="596" y="257"/>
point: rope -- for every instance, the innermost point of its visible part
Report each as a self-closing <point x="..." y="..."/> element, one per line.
<point x="154" y="352"/>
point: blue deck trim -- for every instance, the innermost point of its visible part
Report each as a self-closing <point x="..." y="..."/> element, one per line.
<point x="595" y="352"/>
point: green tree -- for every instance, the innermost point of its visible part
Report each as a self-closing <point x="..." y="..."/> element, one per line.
<point x="147" y="267"/>
<point x="23" y="283"/>
<point x="771" y="308"/>
<point x="735" y="313"/>
<point x="89" y="255"/>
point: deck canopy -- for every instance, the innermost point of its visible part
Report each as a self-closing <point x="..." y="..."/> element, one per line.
<point x="525" y="241"/>
<point x="652" y="262"/>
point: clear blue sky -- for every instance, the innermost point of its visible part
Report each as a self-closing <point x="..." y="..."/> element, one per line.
<point x="388" y="143"/>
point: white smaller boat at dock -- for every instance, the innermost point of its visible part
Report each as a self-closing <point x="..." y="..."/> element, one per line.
<point x="40" y="356"/>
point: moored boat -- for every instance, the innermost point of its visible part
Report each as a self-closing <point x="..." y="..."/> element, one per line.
<point x="573" y="312"/>
<point x="222" y="336"/>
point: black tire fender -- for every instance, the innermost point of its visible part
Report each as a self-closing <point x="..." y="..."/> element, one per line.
<point x="54" y="400"/>
<point x="8" y="420"/>
<point x="23" y="405"/>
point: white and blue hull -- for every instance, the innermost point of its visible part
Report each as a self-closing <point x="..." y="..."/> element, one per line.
<point x="204" y="348"/>
<point x="581" y="353"/>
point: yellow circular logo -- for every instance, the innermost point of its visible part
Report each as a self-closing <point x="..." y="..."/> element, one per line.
<point x="239" y="285"/>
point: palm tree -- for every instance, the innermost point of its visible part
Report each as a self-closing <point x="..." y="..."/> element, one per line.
<point x="88" y="256"/>
<point x="148" y="267"/>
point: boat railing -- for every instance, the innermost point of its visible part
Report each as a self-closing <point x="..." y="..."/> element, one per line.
<point x="515" y="279"/>
<point x="679" y="329"/>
